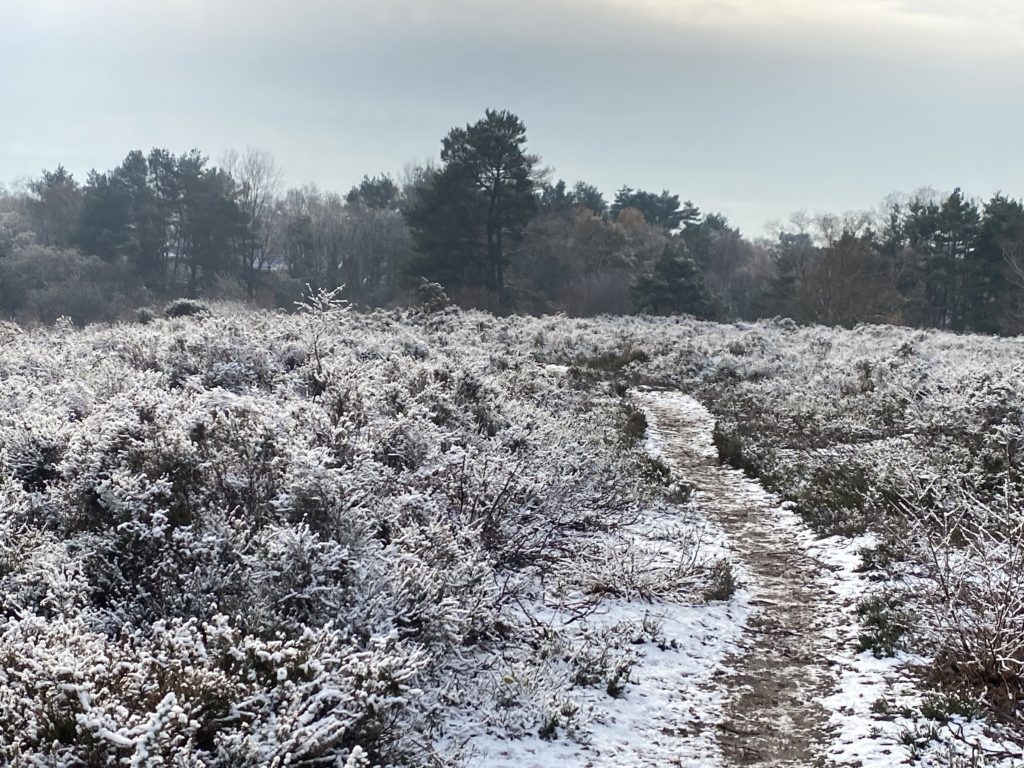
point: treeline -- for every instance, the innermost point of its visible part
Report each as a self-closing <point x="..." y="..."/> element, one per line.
<point x="495" y="228"/>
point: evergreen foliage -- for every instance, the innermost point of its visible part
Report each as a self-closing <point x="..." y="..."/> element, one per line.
<point x="662" y="210"/>
<point x="488" y="226"/>
<point x="675" y="285"/>
<point x="477" y="205"/>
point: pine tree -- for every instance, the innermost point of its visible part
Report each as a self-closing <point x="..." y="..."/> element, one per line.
<point x="674" y="285"/>
<point x="481" y="199"/>
<point x="661" y="210"/>
<point x="991" y="298"/>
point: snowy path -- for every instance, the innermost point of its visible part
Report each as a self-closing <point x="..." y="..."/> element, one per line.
<point x="797" y="690"/>
<point x="783" y="668"/>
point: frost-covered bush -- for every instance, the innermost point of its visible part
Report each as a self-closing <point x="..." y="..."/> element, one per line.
<point x="144" y="316"/>
<point x="967" y="573"/>
<point x="185" y="308"/>
<point x="306" y="539"/>
<point x="431" y="297"/>
<point x="183" y="691"/>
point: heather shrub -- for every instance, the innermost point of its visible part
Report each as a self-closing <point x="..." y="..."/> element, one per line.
<point x="267" y="538"/>
<point x="185" y="308"/>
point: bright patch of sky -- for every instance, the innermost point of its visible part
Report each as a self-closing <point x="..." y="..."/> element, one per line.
<point x="752" y="108"/>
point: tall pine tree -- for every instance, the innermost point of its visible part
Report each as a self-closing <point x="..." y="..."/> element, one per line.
<point x="476" y="205"/>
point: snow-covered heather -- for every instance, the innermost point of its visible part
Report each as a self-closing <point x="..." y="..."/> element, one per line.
<point x="408" y="539"/>
<point x="669" y="705"/>
<point x="328" y="538"/>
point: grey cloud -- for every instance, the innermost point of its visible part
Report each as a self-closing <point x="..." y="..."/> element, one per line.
<point x="753" y="121"/>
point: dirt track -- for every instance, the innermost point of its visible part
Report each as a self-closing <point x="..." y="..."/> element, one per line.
<point x="774" y="683"/>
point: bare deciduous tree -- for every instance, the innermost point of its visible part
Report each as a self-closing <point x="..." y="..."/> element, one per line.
<point x="259" y="179"/>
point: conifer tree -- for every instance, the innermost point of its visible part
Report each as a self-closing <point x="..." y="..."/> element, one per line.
<point x="478" y="203"/>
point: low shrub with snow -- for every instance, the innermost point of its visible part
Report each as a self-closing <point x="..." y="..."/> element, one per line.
<point x="254" y="539"/>
<point x="243" y="538"/>
<point x="185" y="308"/>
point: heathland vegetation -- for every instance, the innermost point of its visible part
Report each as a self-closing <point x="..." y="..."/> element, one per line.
<point x="408" y="537"/>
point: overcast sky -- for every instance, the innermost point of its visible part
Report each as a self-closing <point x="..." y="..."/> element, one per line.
<point x="754" y="108"/>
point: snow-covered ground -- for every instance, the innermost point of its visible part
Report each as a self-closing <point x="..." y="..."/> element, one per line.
<point x="670" y="708"/>
<point x="876" y="705"/>
<point x="872" y="704"/>
<point x="668" y="712"/>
